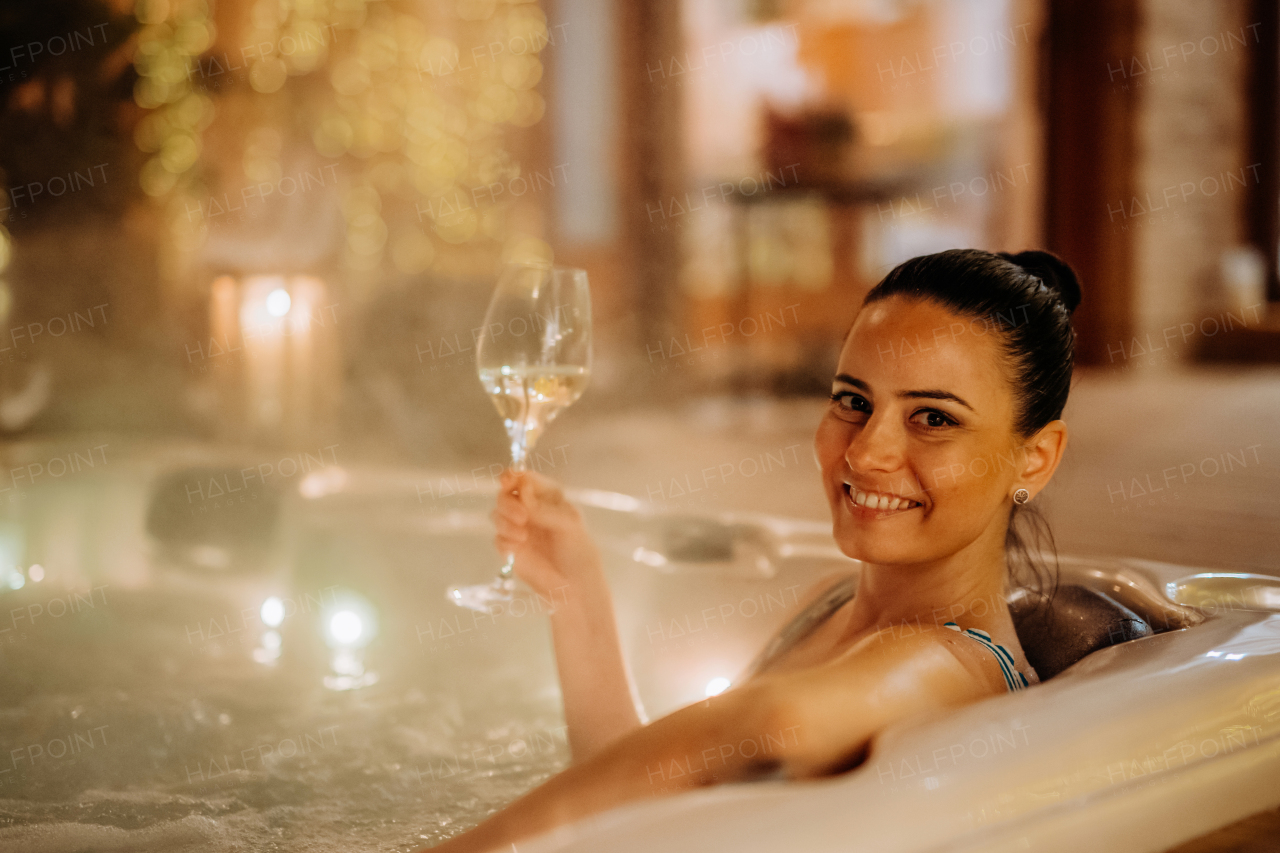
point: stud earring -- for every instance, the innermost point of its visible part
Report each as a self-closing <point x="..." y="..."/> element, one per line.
<point x="1021" y="496"/>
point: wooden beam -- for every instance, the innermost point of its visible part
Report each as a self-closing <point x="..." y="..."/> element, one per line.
<point x="1090" y="155"/>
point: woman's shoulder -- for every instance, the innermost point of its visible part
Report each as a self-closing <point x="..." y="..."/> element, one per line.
<point x="887" y="677"/>
<point x="920" y="640"/>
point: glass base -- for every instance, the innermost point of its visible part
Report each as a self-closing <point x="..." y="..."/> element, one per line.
<point x="481" y="596"/>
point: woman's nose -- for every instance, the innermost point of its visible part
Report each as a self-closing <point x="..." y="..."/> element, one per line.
<point x="875" y="447"/>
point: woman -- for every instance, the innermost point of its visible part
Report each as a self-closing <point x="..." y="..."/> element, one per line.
<point x="944" y="419"/>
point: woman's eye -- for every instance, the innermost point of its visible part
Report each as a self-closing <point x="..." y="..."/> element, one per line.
<point x="934" y="419"/>
<point x="850" y="401"/>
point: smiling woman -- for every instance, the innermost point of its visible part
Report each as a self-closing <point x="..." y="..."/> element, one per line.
<point x="898" y="447"/>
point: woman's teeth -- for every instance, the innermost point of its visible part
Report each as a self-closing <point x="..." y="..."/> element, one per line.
<point x="877" y="501"/>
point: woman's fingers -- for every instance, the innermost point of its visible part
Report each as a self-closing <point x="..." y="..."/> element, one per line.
<point x="515" y="535"/>
<point x="530" y="486"/>
<point x="541" y="497"/>
<point x="509" y="480"/>
<point x="505" y="545"/>
<point x="511" y="509"/>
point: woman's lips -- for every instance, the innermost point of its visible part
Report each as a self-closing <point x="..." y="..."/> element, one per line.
<point x="867" y="512"/>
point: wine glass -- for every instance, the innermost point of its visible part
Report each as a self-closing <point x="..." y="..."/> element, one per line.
<point x="533" y="357"/>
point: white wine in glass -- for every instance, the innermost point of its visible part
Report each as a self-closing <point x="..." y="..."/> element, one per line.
<point x="533" y="357"/>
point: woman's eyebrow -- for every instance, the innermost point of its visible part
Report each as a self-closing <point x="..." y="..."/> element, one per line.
<point x="929" y="394"/>
<point x="936" y="395"/>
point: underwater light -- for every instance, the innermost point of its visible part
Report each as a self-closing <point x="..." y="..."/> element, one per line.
<point x="350" y="622"/>
<point x="272" y="612"/>
<point x="345" y="627"/>
<point x="278" y="302"/>
<point x="717" y="685"/>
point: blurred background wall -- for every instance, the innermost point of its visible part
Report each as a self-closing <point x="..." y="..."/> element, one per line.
<point x="278" y="223"/>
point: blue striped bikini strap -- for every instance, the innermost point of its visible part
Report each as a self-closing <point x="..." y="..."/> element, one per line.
<point x="1013" y="679"/>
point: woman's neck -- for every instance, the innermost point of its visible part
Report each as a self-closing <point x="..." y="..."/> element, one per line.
<point x="967" y="588"/>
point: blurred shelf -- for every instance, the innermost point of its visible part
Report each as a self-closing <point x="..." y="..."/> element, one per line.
<point x="1259" y="344"/>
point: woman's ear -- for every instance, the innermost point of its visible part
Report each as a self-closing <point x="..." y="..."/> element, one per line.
<point x="1042" y="453"/>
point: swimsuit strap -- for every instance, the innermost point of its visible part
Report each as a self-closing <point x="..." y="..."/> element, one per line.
<point x="1013" y="679"/>
<point x="836" y="596"/>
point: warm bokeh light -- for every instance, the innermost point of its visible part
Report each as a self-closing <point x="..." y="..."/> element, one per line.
<point x="278" y="302"/>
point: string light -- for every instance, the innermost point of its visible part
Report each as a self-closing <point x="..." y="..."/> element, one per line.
<point x="416" y="107"/>
<point x="173" y="35"/>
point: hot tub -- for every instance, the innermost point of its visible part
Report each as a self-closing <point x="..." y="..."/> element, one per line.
<point x="201" y="651"/>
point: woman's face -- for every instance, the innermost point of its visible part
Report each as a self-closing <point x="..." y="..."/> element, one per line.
<point x="920" y="411"/>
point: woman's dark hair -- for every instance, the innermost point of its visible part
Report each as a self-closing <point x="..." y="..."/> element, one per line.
<point x="1026" y="300"/>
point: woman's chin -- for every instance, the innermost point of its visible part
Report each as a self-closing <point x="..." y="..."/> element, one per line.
<point x="858" y="544"/>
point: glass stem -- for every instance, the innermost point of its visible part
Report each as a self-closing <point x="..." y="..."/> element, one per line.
<point x="519" y="455"/>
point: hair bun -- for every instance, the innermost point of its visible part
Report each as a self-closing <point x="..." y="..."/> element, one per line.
<point x="1056" y="274"/>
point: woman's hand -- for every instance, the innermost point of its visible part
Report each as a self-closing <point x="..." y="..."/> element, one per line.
<point x="554" y="554"/>
<point x="556" y="557"/>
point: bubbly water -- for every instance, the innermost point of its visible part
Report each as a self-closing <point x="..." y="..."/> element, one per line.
<point x="120" y="734"/>
<point x="163" y="707"/>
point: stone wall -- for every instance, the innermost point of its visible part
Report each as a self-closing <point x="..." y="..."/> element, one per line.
<point x="1192" y="173"/>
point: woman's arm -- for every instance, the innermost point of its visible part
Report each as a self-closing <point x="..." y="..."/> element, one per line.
<point x="600" y="700"/>
<point x="677" y="752"/>
<point x="807" y="722"/>
<point x="555" y="555"/>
